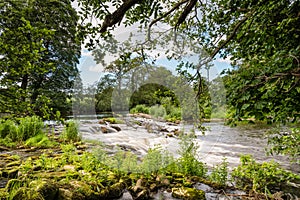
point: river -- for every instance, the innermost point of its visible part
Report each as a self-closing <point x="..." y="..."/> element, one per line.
<point x="219" y="142"/>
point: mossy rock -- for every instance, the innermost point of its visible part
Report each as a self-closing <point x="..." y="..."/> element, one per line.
<point x="83" y="189"/>
<point x="11" y="172"/>
<point x="188" y="193"/>
<point x="68" y="194"/>
<point x="24" y="193"/>
<point x="3" y="194"/>
<point x="14" y="163"/>
<point x="116" y="190"/>
<point x="47" y="189"/>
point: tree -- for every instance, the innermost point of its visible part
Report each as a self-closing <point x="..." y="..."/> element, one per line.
<point x="39" y="50"/>
<point x="261" y="37"/>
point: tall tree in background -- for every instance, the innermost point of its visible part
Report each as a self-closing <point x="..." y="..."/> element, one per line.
<point x="39" y="50"/>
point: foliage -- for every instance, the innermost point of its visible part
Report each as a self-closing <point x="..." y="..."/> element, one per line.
<point x="286" y="143"/>
<point x="219" y="173"/>
<point x="157" y="111"/>
<point x="8" y="129"/>
<point x="156" y="160"/>
<point x="29" y="127"/>
<point x="41" y="141"/>
<point x="140" y="109"/>
<point x="188" y="163"/>
<point x="36" y="70"/>
<point x="26" y="128"/>
<point x="264" y="177"/>
<point x="71" y="131"/>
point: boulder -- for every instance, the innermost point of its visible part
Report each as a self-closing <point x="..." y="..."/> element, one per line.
<point x="106" y="129"/>
<point x="188" y="193"/>
<point x="47" y="189"/>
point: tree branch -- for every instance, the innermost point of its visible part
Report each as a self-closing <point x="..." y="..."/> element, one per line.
<point x="176" y="6"/>
<point x="185" y="12"/>
<point x="118" y="15"/>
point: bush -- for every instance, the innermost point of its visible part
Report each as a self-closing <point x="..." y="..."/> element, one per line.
<point x="268" y="176"/>
<point x="219" y="173"/>
<point x="140" y="109"/>
<point x="157" y="111"/>
<point x="71" y="132"/>
<point x="286" y="143"/>
<point x="156" y="160"/>
<point x="188" y="163"/>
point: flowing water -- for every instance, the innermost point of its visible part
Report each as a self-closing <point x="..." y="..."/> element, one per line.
<point x="219" y="142"/>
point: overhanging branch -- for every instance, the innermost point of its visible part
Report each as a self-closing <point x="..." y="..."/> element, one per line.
<point x="117" y="16"/>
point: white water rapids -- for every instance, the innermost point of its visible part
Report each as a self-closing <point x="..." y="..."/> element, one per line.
<point x="219" y="142"/>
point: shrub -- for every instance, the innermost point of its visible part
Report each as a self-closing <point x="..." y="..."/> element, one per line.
<point x="268" y="176"/>
<point x="188" y="162"/>
<point x="219" y="173"/>
<point x="286" y="143"/>
<point x="28" y="127"/>
<point x="156" y="160"/>
<point x="140" y="109"/>
<point x="157" y="111"/>
<point x="71" y="132"/>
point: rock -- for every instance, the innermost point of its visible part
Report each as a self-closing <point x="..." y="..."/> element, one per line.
<point x="188" y="193"/>
<point x="69" y="168"/>
<point x="106" y="129"/>
<point x="165" y="182"/>
<point x="170" y="135"/>
<point x="14" y="163"/>
<point x="142" y="195"/>
<point x="10" y="172"/>
<point x="117" y="128"/>
<point x="146" y="116"/>
<point x="116" y="190"/>
<point x="2" y="148"/>
<point x="47" y="189"/>
<point x="153" y="187"/>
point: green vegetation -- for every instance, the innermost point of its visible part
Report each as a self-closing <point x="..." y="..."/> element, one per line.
<point x="265" y="177"/>
<point x="140" y="109"/>
<point x="40" y="43"/>
<point x="71" y="132"/>
<point x="219" y="173"/>
<point x="12" y="132"/>
<point x="285" y="143"/>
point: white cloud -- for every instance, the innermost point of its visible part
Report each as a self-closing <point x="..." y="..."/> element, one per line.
<point x="96" y="68"/>
<point x="221" y="60"/>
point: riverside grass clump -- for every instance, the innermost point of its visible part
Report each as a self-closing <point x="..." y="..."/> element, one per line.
<point x="71" y="132"/>
<point x="13" y="132"/>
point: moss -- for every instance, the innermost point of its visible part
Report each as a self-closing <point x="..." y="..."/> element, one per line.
<point x="25" y="193"/>
<point x="47" y="189"/>
<point x="188" y="193"/>
<point x="116" y="190"/>
<point x="14" y="163"/>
